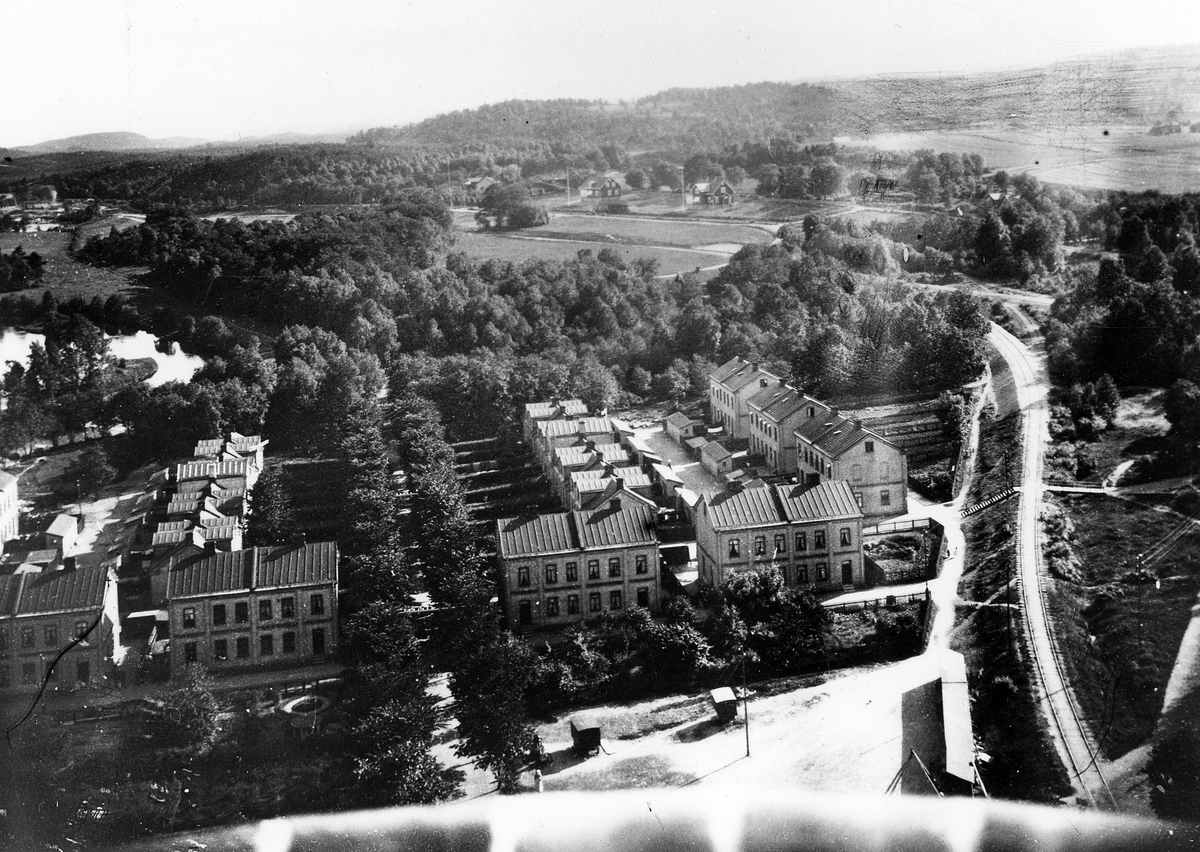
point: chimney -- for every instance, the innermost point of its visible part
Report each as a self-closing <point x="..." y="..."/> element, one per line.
<point x="857" y="424"/>
<point x="210" y="548"/>
<point x="736" y="487"/>
<point x="754" y="366"/>
<point x="590" y="446"/>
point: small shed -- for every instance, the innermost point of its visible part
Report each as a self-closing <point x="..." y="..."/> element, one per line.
<point x="585" y="735"/>
<point x="725" y="703"/>
<point x="716" y="459"/>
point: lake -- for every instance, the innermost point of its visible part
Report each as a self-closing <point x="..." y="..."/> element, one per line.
<point x="175" y="367"/>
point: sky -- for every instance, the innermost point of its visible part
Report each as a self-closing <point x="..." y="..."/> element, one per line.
<point x="216" y="69"/>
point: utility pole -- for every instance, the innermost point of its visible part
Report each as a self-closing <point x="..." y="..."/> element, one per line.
<point x="682" y="192"/>
<point x="568" y="186"/>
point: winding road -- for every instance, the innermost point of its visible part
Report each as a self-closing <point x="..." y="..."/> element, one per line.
<point x="1071" y="737"/>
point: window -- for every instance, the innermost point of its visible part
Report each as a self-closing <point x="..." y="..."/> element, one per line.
<point x="572" y="604"/>
<point x="551" y="607"/>
<point x="801" y="575"/>
<point x="735" y="547"/>
<point x="189" y="652"/>
<point x="869" y="446"/>
<point x="316" y="604"/>
<point x="643" y="596"/>
<point x="594" y="602"/>
<point x="266" y="645"/>
<point x="844" y="537"/>
<point x="819" y="540"/>
<point x="80" y="628"/>
<point x="593" y="569"/>
<point x="243" y="647"/>
<point x="760" y="545"/>
<point x="858" y="499"/>
<point x="5" y="677"/>
<point x="551" y="573"/>
<point x="614" y="567"/>
<point x="614" y="599"/>
<point x="83" y="671"/>
<point x="289" y="642"/>
<point x="287" y="608"/>
<point x="50" y="634"/>
<point x="218" y="614"/>
<point x="523" y="575"/>
<point x="780" y="543"/>
<point x="856" y="472"/>
<point x="572" y="572"/>
<point x="241" y="612"/>
<point x="639" y="563"/>
<point x="812" y="411"/>
<point x="318" y="641"/>
<point x="822" y="572"/>
<point x="885" y="471"/>
<point x="264" y="611"/>
<point x="27" y="640"/>
<point x="28" y="673"/>
<point x="801" y="542"/>
<point x="220" y="649"/>
<point x="189" y="617"/>
<point x="885" y="497"/>
<point x="3" y="641"/>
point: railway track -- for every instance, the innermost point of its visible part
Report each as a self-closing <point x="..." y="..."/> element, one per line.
<point x="1071" y="735"/>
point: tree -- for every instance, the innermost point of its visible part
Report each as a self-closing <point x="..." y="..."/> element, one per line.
<point x="768" y="179"/>
<point x="826" y="178"/>
<point x="271" y="520"/>
<point x="636" y="178"/>
<point x="92" y="470"/>
<point x="1182" y="407"/>
<point x="1174" y="775"/>
<point x="187" y="719"/>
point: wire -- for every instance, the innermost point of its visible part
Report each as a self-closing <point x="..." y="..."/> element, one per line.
<point x="50" y="671"/>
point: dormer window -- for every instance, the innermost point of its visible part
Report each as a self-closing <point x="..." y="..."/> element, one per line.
<point x="869" y="446"/>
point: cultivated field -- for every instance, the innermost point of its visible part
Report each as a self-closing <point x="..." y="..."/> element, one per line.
<point x="684" y="234"/>
<point x="484" y="246"/>
<point x="1092" y="157"/>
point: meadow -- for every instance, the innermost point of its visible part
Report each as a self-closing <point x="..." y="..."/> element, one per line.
<point x="514" y="248"/>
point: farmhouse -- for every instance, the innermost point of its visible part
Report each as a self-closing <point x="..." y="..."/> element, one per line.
<point x="264" y="607"/>
<point x="42" y="611"/>
<point x="600" y="187"/>
<point x="775" y="413"/>
<point x="730" y="388"/>
<point x="812" y="534"/>
<point x="474" y="188"/>
<point x="838" y="448"/>
<point x="564" y="568"/>
<point x="718" y="193"/>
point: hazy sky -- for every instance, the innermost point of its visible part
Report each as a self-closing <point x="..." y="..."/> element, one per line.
<point x="218" y="69"/>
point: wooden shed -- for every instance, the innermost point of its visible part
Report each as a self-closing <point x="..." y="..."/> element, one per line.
<point x="585" y="734"/>
<point x="725" y="703"/>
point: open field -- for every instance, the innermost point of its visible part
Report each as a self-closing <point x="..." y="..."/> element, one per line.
<point x="62" y="274"/>
<point x="1092" y="157"/>
<point x="1120" y="628"/>
<point x="483" y="246"/>
<point x="666" y="232"/>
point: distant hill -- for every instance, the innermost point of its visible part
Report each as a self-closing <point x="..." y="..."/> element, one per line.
<point x="114" y="141"/>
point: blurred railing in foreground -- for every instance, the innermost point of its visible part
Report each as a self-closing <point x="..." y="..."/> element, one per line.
<point x="697" y="820"/>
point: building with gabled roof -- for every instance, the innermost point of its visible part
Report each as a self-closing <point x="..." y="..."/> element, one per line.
<point x="616" y="487"/>
<point x="717" y="192"/>
<point x="567" y="567"/>
<point x="813" y="534"/>
<point x="42" y="611"/>
<point x="716" y="459"/>
<point x="262" y="607"/>
<point x="775" y="413"/>
<point x="62" y="534"/>
<point x="839" y="448"/>
<point x="591" y="457"/>
<point x="603" y="186"/>
<point x="730" y="387"/>
<point x="679" y="427"/>
<point x="555" y="409"/>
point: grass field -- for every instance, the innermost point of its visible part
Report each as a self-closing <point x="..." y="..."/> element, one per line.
<point x="1092" y="157"/>
<point x="63" y="275"/>
<point x="1119" y="629"/>
<point x="483" y="246"/>
<point x="664" y="232"/>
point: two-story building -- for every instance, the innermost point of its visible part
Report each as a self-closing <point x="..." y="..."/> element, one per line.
<point x="564" y="568"/>
<point x="573" y="432"/>
<point x="730" y="388"/>
<point x="838" y="448"/>
<point x="593" y="489"/>
<point x="776" y="411"/>
<point x="259" y="608"/>
<point x="811" y="534"/>
<point x="600" y="187"/>
<point x="10" y="513"/>
<point x="41" y="612"/>
<point x="717" y="192"/>
<point x="589" y="458"/>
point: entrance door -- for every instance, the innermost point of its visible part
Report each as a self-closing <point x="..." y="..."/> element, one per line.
<point x="847" y="574"/>
<point x="83" y="672"/>
<point x="526" y="613"/>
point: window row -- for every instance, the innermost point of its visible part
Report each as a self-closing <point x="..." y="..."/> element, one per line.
<point x="240" y="646"/>
<point x="574" y="603"/>
<point x="29" y="673"/>
<point x="266" y="610"/>
<point x="571" y="570"/>
<point x="49" y="633"/>
<point x="779" y="544"/>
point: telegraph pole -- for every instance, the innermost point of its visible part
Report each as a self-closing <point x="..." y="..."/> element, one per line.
<point x="683" y="208"/>
<point x="745" y="703"/>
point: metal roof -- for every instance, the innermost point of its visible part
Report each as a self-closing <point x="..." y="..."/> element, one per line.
<point x="595" y="480"/>
<point x="779" y="402"/>
<point x="577" y="426"/>
<point x="63" y="591"/>
<point x="753" y="507"/>
<point x="212" y="469"/>
<point x="6" y="479"/>
<point x="253" y="568"/>
<point x="956" y="717"/>
<point x="736" y="373"/>
<point x="534" y="534"/>
<point x="562" y="408"/>
<point x="10" y="593"/>
<point x="835" y="434"/>
<point x="608" y="527"/>
<point x="616" y="489"/>
<point x="827" y="500"/>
